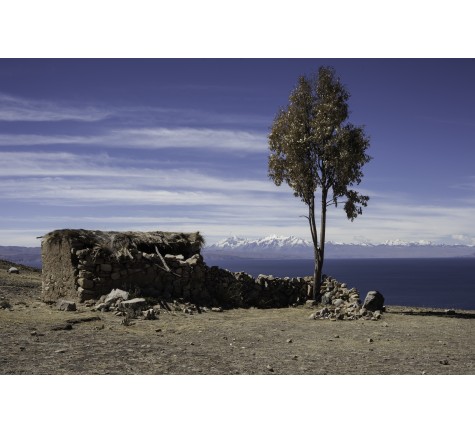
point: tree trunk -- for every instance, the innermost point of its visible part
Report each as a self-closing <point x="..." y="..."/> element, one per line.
<point x="317" y="276"/>
<point x="320" y="250"/>
<point x="313" y="229"/>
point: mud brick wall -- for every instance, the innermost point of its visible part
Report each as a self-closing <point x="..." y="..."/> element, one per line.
<point x="59" y="274"/>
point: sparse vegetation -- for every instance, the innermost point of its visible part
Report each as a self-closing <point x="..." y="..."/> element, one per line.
<point x="237" y="341"/>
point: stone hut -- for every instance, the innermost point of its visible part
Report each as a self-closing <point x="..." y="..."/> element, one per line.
<point x="83" y="264"/>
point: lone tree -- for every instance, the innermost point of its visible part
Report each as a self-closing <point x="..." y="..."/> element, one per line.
<point x="319" y="154"/>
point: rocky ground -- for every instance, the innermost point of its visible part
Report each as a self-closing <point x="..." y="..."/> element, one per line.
<point x="38" y="338"/>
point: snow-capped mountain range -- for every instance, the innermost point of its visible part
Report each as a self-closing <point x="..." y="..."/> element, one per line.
<point x="278" y="246"/>
<point x="270" y="242"/>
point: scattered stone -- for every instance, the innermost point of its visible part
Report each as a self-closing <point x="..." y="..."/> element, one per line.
<point x="149" y="314"/>
<point x="60" y="351"/>
<point x="216" y="309"/>
<point x="126" y="321"/>
<point x="450" y="311"/>
<point x="158" y="330"/>
<point x="374" y="301"/>
<point x="102" y="307"/>
<point x="444" y="362"/>
<point x="313" y="315"/>
<point x="310" y="303"/>
<point x="135" y="304"/>
<point x="13" y="270"/>
<point x="115" y="295"/>
<point x="336" y="336"/>
<point x="62" y="327"/>
<point x="270" y="368"/>
<point x="295" y="357"/>
<point x="66" y="305"/>
<point x="289" y="341"/>
<point x="369" y="340"/>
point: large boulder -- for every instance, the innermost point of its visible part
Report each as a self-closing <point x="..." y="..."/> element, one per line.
<point x="115" y="295"/>
<point x="373" y="301"/>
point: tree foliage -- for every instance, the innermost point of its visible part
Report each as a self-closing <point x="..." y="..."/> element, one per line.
<point x="314" y="149"/>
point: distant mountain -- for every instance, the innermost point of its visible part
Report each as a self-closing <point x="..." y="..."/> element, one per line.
<point x="273" y="246"/>
<point x="280" y="247"/>
<point x="30" y="256"/>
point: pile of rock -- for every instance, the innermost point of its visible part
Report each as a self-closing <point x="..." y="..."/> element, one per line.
<point x="118" y="301"/>
<point x="341" y="303"/>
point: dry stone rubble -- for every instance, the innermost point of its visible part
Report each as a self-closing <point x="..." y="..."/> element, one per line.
<point x="341" y="303"/>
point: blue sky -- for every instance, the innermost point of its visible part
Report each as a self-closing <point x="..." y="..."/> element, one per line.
<point x="181" y="145"/>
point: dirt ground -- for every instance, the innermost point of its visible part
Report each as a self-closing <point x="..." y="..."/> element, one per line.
<point x="37" y="338"/>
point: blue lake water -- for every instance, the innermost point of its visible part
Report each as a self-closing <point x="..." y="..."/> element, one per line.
<point x="431" y="282"/>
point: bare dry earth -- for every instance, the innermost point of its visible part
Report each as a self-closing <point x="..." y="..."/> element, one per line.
<point x="35" y="339"/>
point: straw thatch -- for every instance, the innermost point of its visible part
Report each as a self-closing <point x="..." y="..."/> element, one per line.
<point x="115" y="243"/>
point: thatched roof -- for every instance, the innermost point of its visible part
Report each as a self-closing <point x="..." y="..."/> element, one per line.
<point x="114" y="242"/>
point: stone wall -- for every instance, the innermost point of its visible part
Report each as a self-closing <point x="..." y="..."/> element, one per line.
<point x="78" y="269"/>
<point x="72" y="271"/>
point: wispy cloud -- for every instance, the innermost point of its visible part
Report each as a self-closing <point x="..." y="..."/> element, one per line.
<point x="180" y="117"/>
<point x="151" y="138"/>
<point x="46" y="140"/>
<point x="20" y="109"/>
<point x="156" y="138"/>
<point x="103" y="170"/>
<point x="14" y="109"/>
